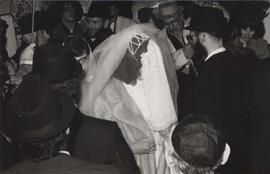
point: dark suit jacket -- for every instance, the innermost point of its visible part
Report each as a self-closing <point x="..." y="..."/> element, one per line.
<point x="9" y="155"/>
<point x="259" y="106"/>
<point x="101" y="141"/>
<point x="61" y="164"/>
<point x="61" y="32"/>
<point x="215" y="87"/>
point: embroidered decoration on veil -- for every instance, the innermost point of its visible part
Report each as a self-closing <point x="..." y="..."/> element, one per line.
<point x="136" y="42"/>
<point x="152" y="93"/>
<point x="128" y="70"/>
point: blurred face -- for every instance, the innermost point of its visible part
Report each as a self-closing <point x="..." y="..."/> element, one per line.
<point x="174" y="25"/>
<point x="192" y="38"/>
<point x="95" y="25"/>
<point x="199" y="50"/>
<point x="69" y="14"/>
<point x="247" y="34"/>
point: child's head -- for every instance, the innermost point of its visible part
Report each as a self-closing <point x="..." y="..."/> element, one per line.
<point x="199" y="144"/>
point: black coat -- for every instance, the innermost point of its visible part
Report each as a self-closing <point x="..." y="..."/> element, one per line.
<point x="61" y="164"/>
<point x="9" y="155"/>
<point x="215" y="88"/>
<point x="220" y="93"/>
<point x="259" y="106"/>
<point x="101" y="141"/>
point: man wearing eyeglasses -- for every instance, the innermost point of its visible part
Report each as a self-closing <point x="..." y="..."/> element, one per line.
<point x="171" y="15"/>
<point x="218" y="89"/>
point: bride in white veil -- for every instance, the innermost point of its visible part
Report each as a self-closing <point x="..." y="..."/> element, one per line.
<point x="127" y="82"/>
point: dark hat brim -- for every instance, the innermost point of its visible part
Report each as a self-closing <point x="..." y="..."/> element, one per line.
<point x="221" y="28"/>
<point x="187" y="27"/>
<point x="57" y="78"/>
<point x="47" y="132"/>
<point x="25" y="23"/>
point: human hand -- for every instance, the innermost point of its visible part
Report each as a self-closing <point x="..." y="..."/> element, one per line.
<point x="27" y="54"/>
<point x="179" y="58"/>
<point x="188" y="51"/>
<point x="143" y="146"/>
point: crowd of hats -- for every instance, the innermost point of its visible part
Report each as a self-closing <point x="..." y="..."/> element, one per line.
<point x="45" y="113"/>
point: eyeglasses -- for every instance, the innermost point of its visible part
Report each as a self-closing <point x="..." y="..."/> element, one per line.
<point x="190" y="37"/>
<point x="173" y="22"/>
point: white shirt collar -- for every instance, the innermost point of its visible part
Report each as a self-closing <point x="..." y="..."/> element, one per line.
<point x="219" y="50"/>
<point x="64" y="152"/>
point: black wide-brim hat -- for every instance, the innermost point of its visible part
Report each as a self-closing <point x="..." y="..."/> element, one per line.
<point x="36" y="112"/>
<point x="55" y="63"/>
<point x="99" y="9"/>
<point x="41" y="20"/>
<point x="208" y="19"/>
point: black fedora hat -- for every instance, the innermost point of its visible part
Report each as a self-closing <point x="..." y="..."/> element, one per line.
<point x="208" y="19"/>
<point x="36" y="112"/>
<point x="198" y="142"/>
<point x="25" y="23"/>
<point x="99" y="9"/>
<point x="55" y="63"/>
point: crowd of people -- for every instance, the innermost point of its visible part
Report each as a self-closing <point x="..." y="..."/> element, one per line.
<point x="123" y="87"/>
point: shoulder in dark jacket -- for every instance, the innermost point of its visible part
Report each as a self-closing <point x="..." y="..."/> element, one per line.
<point x="101" y="141"/>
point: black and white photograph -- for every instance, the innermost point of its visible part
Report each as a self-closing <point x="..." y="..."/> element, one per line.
<point x="134" y="87"/>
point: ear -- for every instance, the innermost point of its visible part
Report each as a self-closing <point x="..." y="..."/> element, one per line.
<point x="226" y="154"/>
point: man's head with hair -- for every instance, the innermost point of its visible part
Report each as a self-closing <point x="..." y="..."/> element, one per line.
<point x="171" y="14"/>
<point x="197" y="141"/>
<point x="208" y="27"/>
<point x="145" y="14"/>
<point x="209" y="20"/>
<point x="97" y="18"/>
<point x="79" y="47"/>
<point x="71" y="11"/>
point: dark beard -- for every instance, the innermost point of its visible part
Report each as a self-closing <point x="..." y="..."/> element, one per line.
<point x="200" y="53"/>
